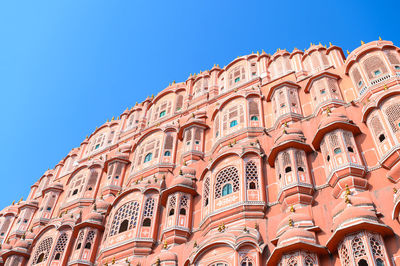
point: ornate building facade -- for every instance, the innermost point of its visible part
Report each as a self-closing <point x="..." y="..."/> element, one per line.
<point x="284" y="159"/>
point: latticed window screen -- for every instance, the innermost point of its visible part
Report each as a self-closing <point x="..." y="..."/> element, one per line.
<point x="325" y="60"/>
<point x="43" y="250"/>
<point x="344" y="255"/>
<point x="393" y="116"/>
<point x="377" y="247"/>
<point x="128" y="211"/>
<point x="90" y="239"/>
<point x="285" y="159"/>
<point x="292" y="261"/>
<point x="299" y="159"/>
<point x="168" y="144"/>
<point x="79" y="240"/>
<point x="179" y="102"/>
<point x="216" y="126"/>
<point x="358" y="248"/>
<point x="172" y="203"/>
<point x="76" y="185"/>
<point x="60" y="246"/>
<point x="253" y="108"/>
<point x="393" y="57"/>
<point x="197" y="134"/>
<point x="206" y="191"/>
<point x="251" y="175"/>
<point x="356" y="77"/>
<point x="376" y="126"/>
<point x="372" y="64"/>
<point x="334" y="141"/>
<point x="315" y="60"/>
<point x="246" y="261"/>
<point x="293" y="97"/>
<point x="348" y="139"/>
<point x="148" y="208"/>
<point x="309" y="261"/>
<point x="227" y="175"/>
<point x="184" y="202"/>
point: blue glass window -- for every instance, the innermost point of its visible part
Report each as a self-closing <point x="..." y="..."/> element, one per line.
<point x="377" y="72"/>
<point x="97" y="146"/>
<point x="233" y="123"/>
<point x="167" y="153"/>
<point x="227" y="189"/>
<point x="148" y="157"/>
<point x="254" y="118"/>
<point x="163" y="113"/>
<point x="237" y="80"/>
<point x="337" y="150"/>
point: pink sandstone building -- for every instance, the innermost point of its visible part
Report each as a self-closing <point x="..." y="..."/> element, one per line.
<point x="284" y="159"/>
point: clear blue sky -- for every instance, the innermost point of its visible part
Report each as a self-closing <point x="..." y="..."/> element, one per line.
<point x="68" y="66"/>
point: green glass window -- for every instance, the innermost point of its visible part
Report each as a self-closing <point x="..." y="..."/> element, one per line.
<point x="237" y="80"/>
<point x="233" y="123"/>
<point x="163" y="113"/>
<point x="254" y="118"/>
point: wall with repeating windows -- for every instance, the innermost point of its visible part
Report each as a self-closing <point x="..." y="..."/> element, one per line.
<point x="206" y="171"/>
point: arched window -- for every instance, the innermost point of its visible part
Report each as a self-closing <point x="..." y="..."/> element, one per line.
<point x="42" y="251"/>
<point x="226" y="189"/>
<point x="179" y="102"/>
<point x="233" y="123"/>
<point x="172" y="205"/>
<point x="162" y="113"/>
<point x="148" y="157"/>
<point x="60" y="246"/>
<point x="147" y="222"/>
<point x="292" y="261"/>
<point x="393" y="115"/>
<point x="251" y="175"/>
<point x="253" y="110"/>
<point x="374" y="66"/>
<point x="76" y="186"/>
<point x="309" y="261"/>
<point x="123" y="226"/>
<point x="337" y="150"/>
<point x="379" y="262"/>
<point x="229" y="175"/>
<point x="206" y="191"/>
<point x="148" y="212"/>
<point x="286" y="161"/>
<point x="128" y="211"/>
<point x="183" y="205"/>
<point x="167" y="153"/>
<point x="90" y="239"/>
<point x="362" y="262"/>
<point x="246" y="262"/>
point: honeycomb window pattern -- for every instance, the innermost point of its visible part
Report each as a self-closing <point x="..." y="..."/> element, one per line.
<point x="42" y="252"/>
<point x="358" y="247"/>
<point x="251" y="175"/>
<point x="148" y="208"/>
<point x="60" y="246"/>
<point x="227" y="175"/>
<point x="127" y="211"/>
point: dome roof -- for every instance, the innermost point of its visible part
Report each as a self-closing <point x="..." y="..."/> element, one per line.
<point x="288" y="134"/>
<point x="182" y="180"/>
<point x="95" y="216"/>
<point x="30" y="235"/>
<point x="188" y="171"/>
<point x="21" y="243"/>
<point x="297" y="234"/>
<point x="295" y="218"/>
<point x="354" y="201"/>
<point x="166" y="255"/>
<point x="331" y="122"/>
<point x="6" y="246"/>
<point x="102" y="205"/>
<point x="352" y="213"/>
<point x="288" y="138"/>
